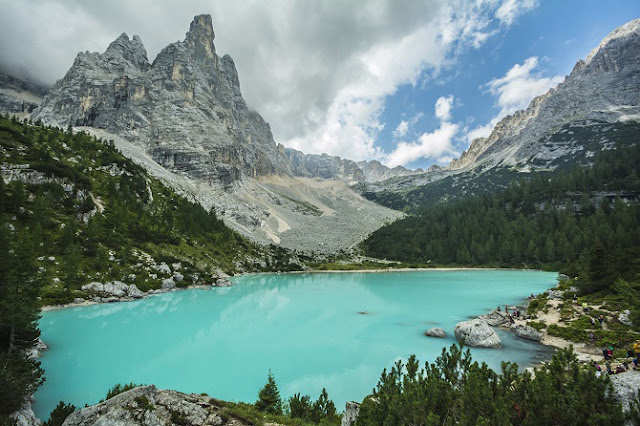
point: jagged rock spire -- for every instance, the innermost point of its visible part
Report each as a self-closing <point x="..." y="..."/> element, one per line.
<point x="201" y="36"/>
<point x="131" y="50"/>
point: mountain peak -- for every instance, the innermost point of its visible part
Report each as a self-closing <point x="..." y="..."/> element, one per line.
<point x="132" y="50"/>
<point x="201" y="35"/>
<point x="630" y="29"/>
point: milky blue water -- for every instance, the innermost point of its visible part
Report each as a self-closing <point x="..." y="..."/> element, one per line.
<point x="312" y="330"/>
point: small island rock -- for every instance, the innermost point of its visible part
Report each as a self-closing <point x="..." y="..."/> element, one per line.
<point x="477" y="333"/>
<point x="435" y="332"/>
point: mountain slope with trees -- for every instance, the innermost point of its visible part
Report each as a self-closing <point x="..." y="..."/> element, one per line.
<point x="74" y="210"/>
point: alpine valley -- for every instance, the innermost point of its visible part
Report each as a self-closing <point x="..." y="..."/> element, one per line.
<point x="129" y="177"/>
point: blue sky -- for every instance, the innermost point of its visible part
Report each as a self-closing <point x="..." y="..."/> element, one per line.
<point x="355" y="78"/>
<point x="557" y="33"/>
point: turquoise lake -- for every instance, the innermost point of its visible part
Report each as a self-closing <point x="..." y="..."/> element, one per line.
<point x="333" y="330"/>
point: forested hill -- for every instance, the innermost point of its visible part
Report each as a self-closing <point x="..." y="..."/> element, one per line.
<point x="74" y="210"/>
<point x="560" y="222"/>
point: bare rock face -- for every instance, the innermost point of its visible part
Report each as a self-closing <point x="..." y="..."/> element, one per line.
<point x="185" y="109"/>
<point x="323" y="166"/>
<point x="375" y="171"/>
<point x="477" y="333"/>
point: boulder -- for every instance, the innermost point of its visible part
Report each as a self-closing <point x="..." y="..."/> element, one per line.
<point x="526" y="332"/>
<point x="135" y="292"/>
<point x="435" y="332"/>
<point x="495" y="318"/>
<point x="168" y="284"/>
<point x="477" y="333"/>
<point x="223" y="282"/>
<point x="78" y="300"/>
<point x="116" y="288"/>
<point x="177" y="276"/>
<point x="625" y="318"/>
<point x="164" y="268"/>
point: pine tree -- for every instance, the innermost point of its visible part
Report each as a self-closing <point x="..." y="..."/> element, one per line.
<point x="269" y="399"/>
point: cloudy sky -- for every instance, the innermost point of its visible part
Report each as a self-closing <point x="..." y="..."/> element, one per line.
<point x="402" y="81"/>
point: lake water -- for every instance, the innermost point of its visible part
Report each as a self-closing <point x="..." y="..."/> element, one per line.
<point x="333" y="330"/>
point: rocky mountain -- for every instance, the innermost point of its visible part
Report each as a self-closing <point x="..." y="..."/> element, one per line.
<point x="183" y="117"/>
<point x="375" y="171"/>
<point x="602" y="89"/>
<point x="185" y="109"/>
<point x="18" y="95"/>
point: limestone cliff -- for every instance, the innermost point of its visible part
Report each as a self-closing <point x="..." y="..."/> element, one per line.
<point x="185" y="109"/>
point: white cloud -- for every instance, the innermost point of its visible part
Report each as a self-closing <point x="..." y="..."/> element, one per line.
<point x="401" y="130"/>
<point x="511" y="9"/>
<point x="436" y="144"/>
<point x="429" y="145"/>
<point x="514" y="91"/>
<point x="443" y="107"/>
<point x="318" y="71"/>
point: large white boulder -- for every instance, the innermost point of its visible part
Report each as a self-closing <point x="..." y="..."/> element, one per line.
<point x="477" y="333"/>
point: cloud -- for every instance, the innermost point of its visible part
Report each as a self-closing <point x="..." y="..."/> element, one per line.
<point x="318" y="71"/>
<point x="443" y="107"/>
<point x="514" y="91"/>
<point x="511" y="9"/>
<point x="436" y="144"/>
<point x="429" y="145"/>
<point x="401" y="130"/>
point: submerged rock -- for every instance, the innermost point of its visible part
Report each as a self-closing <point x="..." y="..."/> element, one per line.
<point x="477" y="333"/>
<point x="526" y="332"/>
<point x="435" y="332"/>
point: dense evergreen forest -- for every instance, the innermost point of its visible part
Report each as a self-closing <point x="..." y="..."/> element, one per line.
<point x="562" y="222"/>
<point x="74" y="210"/>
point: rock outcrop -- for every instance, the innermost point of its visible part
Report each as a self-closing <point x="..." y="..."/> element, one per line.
<point x="625" y="318"/>
<point x="625" y="386"/>
<point x="115" y="289"/>
<point x="148" y="406"/>
<point x="352" y="409"/>
<point x="477" y="333"/>
<point x="185" y="109"/>
<point x="526" y="332"/>
<point x="435" y="332"/>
